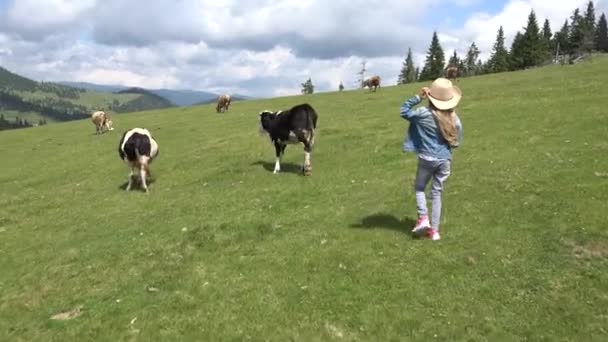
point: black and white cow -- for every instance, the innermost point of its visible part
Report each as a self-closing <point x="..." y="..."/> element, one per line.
<point x="137" y="148"/>
<point x="293" y="126"/>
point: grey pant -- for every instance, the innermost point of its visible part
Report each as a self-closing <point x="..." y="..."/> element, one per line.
<point x="438" y="171"/>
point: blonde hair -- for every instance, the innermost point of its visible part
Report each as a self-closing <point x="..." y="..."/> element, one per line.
<point x="446" y="122"/>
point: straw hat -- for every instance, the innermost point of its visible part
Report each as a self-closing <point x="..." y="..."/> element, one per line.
<point x="444" y="95"/>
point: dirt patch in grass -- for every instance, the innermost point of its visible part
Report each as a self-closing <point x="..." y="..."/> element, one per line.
<point x="68" y="315"/>
<point x="590" y="251"/>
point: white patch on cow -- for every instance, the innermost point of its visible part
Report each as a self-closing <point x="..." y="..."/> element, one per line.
<point x="306" y="159"/>
<point x="277" y="165"/>
<point x="142" y="176"/>
<point x="293" y="139"/>
<point x="153" y="148"/>
<point x="130" y="180"/>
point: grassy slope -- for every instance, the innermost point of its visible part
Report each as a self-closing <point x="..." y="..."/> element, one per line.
<point x="237" y="252"/>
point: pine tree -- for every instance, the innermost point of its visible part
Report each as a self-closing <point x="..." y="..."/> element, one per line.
<point x="562" y="40"/>
<point x="461" y="67"/>
<point x="408" y="72"/>
<point x="454" y="60"/>
<point x="547" y="34"/>
<point x="577" y="33"/>
<point x="601" y="34"/>
<point x="361" y="73"/>
<point x="435" y="61"/>
<point x="499" y="61"/>
<point x="532" y="51"/>
<point x="516" y="55"/>
<point x="471" y="60"/>
<point x="308" y="87"/>
<point x="588" y="43"/>
<point x="547" y="41"/>
<point x="481" y="67"/>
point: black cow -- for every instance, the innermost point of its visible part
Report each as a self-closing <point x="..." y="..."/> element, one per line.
<point x="293" y="126"/>
<point x="137" y="148"/>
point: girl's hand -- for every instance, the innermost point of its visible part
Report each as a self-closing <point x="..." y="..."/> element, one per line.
<point x="424" y="92"/>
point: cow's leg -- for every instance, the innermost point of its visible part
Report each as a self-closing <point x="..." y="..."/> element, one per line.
<point x="305" y="137"/>
<point x="279" y="149"/>
<point x="142" y="176"/>
<point x="131" y="175"/>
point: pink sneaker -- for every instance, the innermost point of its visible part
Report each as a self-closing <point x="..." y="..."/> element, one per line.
<point x="421" y="225"/>
<point x="433" y="234"/>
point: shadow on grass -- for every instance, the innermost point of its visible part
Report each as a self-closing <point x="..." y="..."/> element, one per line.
<point x="285" y="167"/>
<point x="136" y="186"/>
<point x="385" y="221"/>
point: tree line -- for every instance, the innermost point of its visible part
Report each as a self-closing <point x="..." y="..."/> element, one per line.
<point x="60" y="110"/>
<point x="18" y="122"/>
<point x="535" y="46"/>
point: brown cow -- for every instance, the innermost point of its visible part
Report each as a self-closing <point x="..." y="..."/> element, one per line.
<point x="223" y="102"/>
<point x="373" y="81"/>
<point x="452" y="73"/>
<point x="101" y="120"/>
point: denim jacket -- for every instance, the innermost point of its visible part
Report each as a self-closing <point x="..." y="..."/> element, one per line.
<point x="423" y="135"/>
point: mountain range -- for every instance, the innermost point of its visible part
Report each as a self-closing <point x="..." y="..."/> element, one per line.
<point x="177" y="97"/>
<point x="25" y="102"/>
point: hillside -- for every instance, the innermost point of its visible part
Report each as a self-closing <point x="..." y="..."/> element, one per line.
<point x="177" y="97"/>
<point x="28" y="102"/>
<point x="234" y="98"/>
<point x="146" y="101"/>
<point x="222" y="249"/>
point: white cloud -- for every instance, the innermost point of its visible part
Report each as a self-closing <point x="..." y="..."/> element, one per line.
<point x="32" y="19"/>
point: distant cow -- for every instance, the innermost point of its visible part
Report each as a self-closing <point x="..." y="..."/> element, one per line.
<point x="101" y="119"/>
<point x="223" y="102"/>
<point x="372" y="82"/>
<point x="452" y="73"/>
<point x="137" y="148"/>
<point x="296" y="125"/>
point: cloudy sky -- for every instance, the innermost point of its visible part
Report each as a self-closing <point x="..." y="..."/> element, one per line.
<point x="252" y="47"/>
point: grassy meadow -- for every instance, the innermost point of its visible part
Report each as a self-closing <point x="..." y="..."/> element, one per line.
<point x="222" y="249"/>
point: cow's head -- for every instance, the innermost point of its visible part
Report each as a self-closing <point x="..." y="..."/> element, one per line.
<point x="109" y="125"/>
<point x="266" y="118"/>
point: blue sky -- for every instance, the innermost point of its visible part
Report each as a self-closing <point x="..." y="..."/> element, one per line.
<point x="254" y="47"/>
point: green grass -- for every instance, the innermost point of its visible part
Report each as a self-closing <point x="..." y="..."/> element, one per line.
<point x="233" y="252"/>
<point x="32" y="117"/>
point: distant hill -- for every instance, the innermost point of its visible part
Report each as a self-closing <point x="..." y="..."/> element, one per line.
<point x="235" y="97"/>
<point x="180" y="98"/>
<point x="147" y="100"/>
<point x="24" y="102"/>
<point x="94" y="87"/>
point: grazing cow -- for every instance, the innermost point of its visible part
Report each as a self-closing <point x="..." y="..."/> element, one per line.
<point x="137" y="148"/>
<point x="293" y="126"/>
<point x="101" y="119"/>
<point x="223" y="102"/>
<point x="373" y="81"/>
<point x="452" y="73"/>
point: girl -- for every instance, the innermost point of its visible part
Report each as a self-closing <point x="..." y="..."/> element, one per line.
<point x="434" y="131"/>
